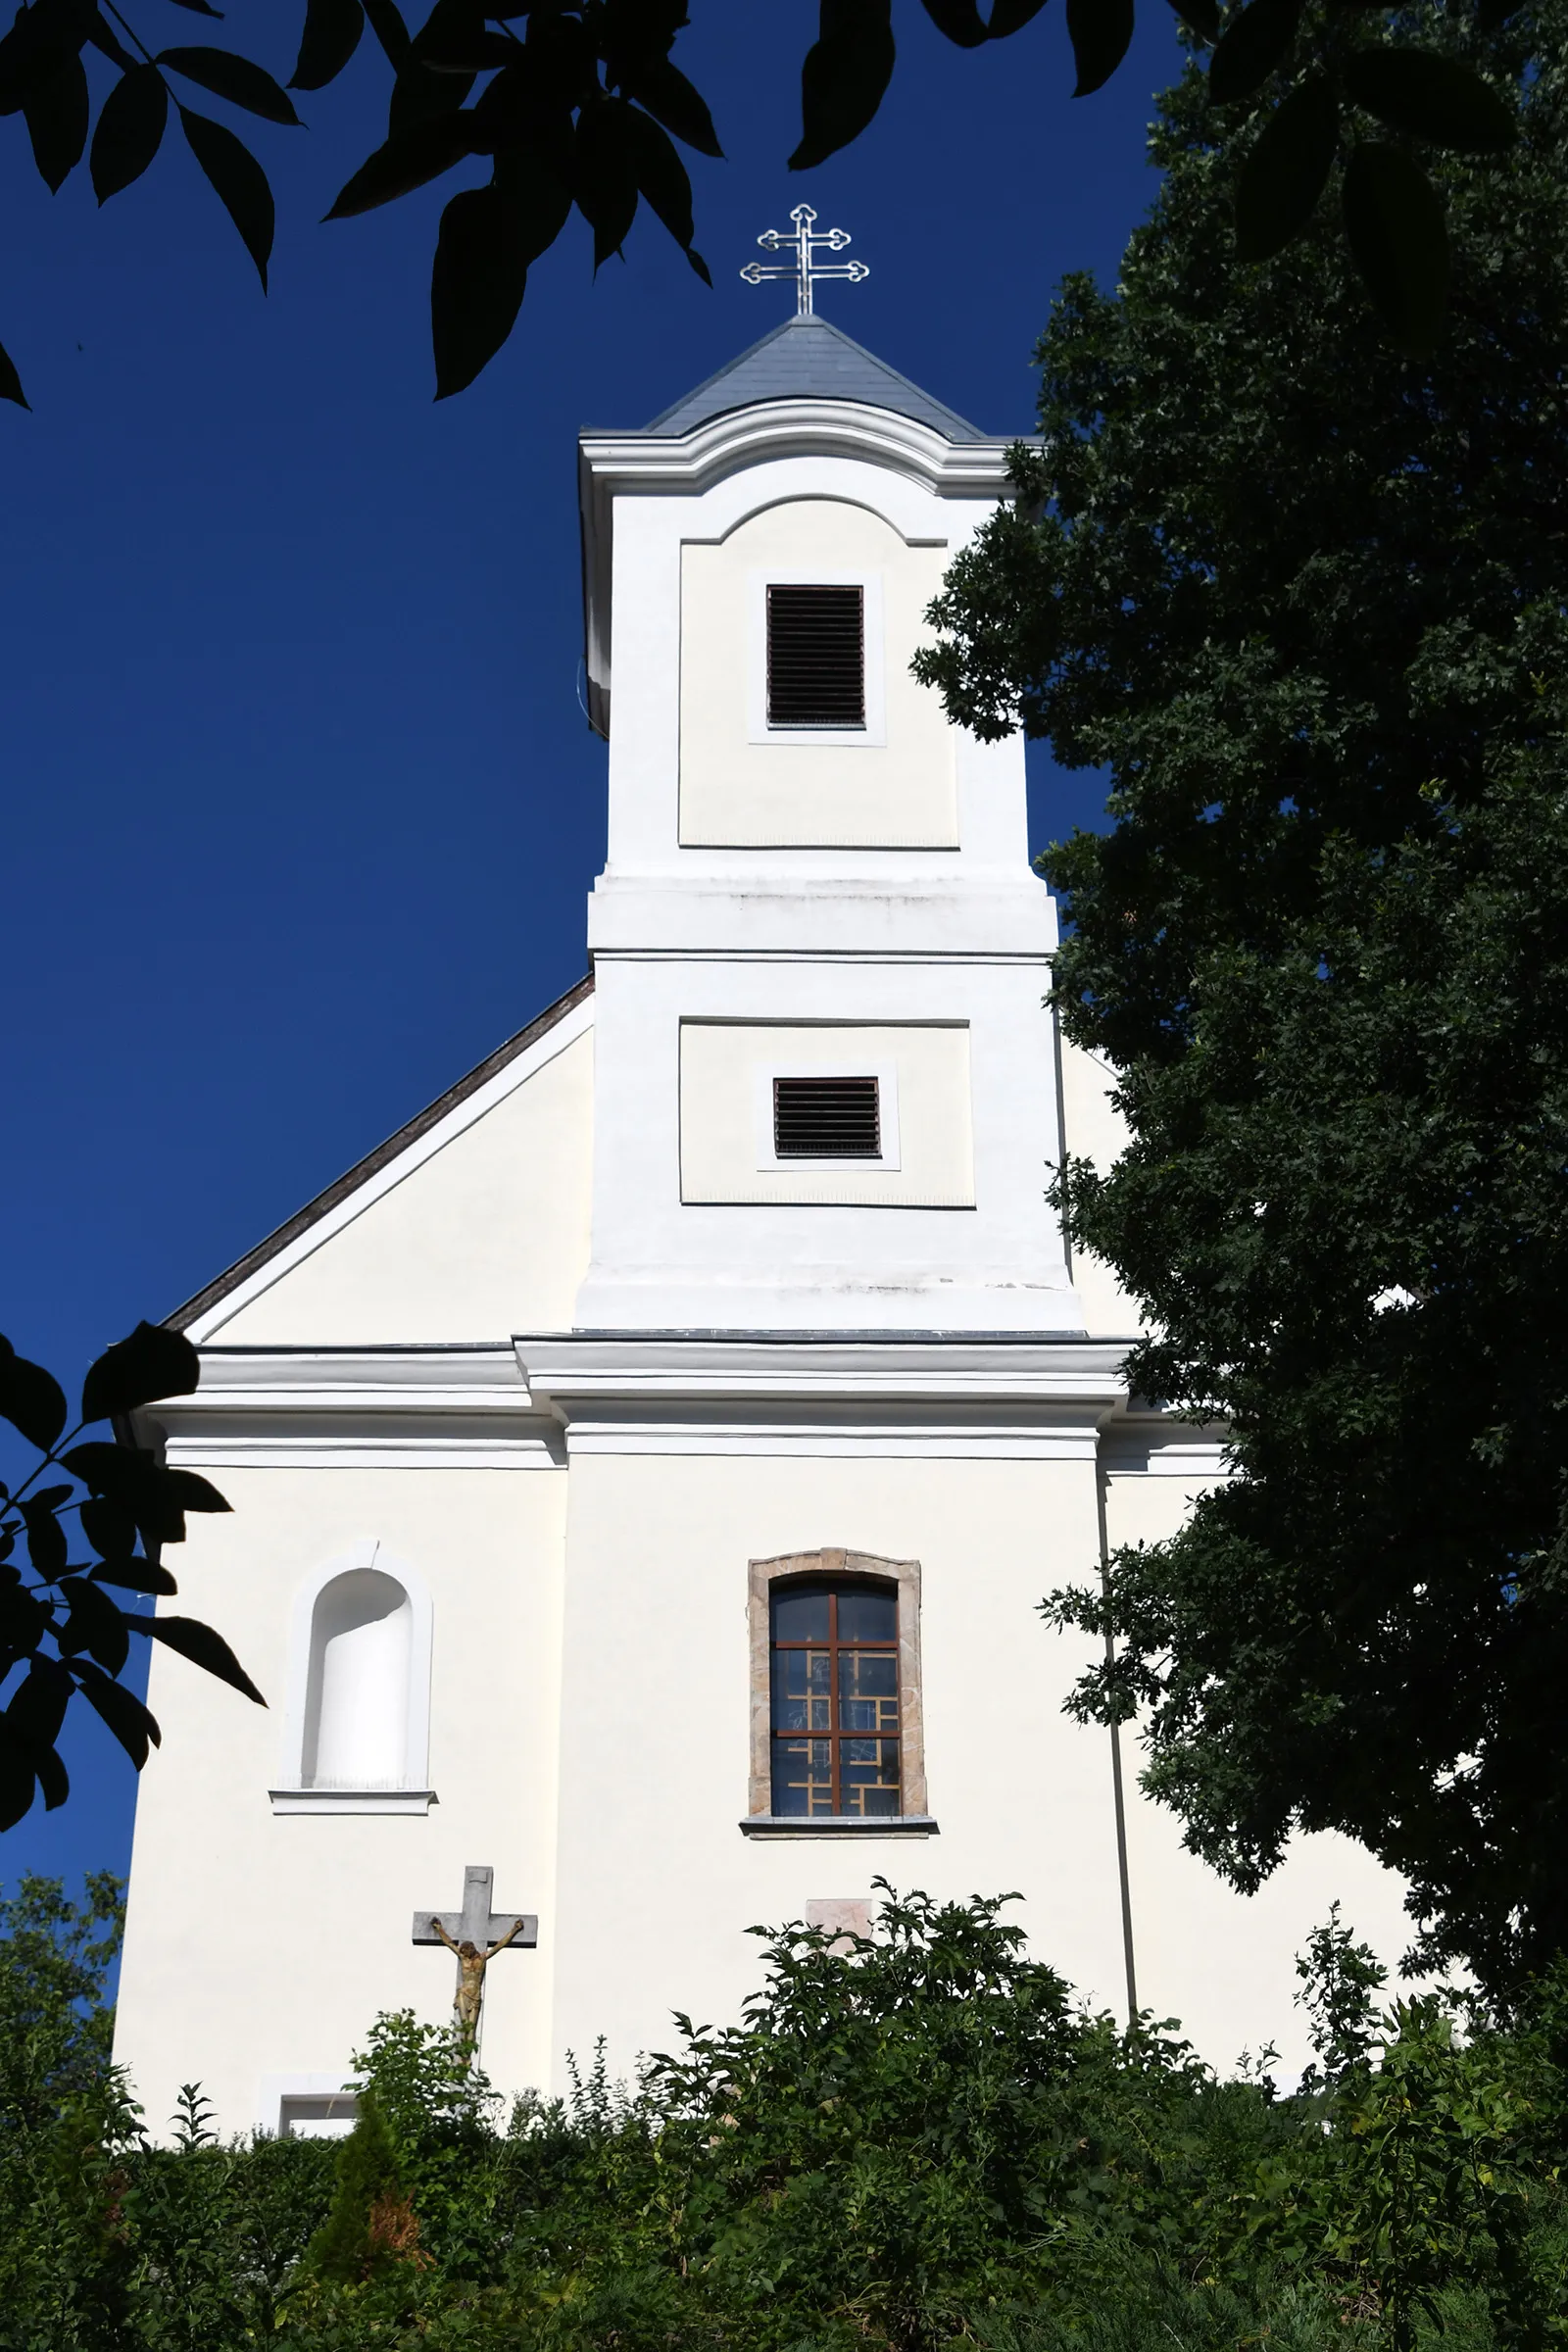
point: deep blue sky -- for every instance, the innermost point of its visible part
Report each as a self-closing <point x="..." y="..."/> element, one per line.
<point x="300" y="806"/>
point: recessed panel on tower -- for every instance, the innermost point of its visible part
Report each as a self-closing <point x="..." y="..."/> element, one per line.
<point x="801" y="726"/>
<point x="826" y="1113"/>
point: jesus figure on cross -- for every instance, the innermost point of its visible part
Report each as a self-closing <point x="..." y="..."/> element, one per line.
<point x="469" y="1999"/>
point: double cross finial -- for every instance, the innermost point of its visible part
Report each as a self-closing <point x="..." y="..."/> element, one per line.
<point x="802" y="264"/>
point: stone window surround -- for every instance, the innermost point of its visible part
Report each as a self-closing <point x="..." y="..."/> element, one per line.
<point x="834" y="1560"/>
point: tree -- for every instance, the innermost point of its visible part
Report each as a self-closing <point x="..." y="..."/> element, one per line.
<point x="62" y="1633"/>
<point x="584" y="107"/>
<point x="55" y="2027"/>
<point x="1305" y="600"/>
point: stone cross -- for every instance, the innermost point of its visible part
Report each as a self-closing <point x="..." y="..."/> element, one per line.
<point x="804" y="265"/>
<point x="476" y="1933"/>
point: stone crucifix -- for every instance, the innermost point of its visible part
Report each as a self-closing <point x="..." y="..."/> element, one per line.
<point x="476" y="1933"/>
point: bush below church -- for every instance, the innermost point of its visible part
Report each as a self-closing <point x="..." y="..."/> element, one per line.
<point x="912" y="2142"/>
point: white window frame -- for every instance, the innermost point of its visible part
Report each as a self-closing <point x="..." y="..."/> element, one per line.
<point x="886" y="1074"/>
<point x="278" y="2093"/>
<point x="874" y="733"/>
<point x="291" y="1796"/>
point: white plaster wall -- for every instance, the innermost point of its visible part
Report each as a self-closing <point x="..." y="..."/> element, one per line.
<point x="1096" y="1131"/>
<point x="657" y="1884"/>
<point x="653" y="537"/>
<point x="664" y="1263"/>
<point x="1205" y="1953"/>
<point x="259" y="1945"/>
<point x="723" y="1070"/>
<point x="895" y="790"/>
<point x="486" y="1235"/>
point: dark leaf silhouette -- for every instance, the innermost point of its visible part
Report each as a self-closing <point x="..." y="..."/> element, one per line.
<point x="845" y="75"/>
<point x="238" y="181"/>
<point x="32" y="1399"/>
<point x="152" y="1362"/>
<point x="332" y="35"/>
<point x="1250" y="47"/>
<point x="47" y="1548"/>
<point x="1099" y="31"/>
<point x="1431" y="97"/>
<point x="57" y="115"/>
<point x="476" y="285"/>
<point x="662" y="179"/>
<point x="10" y="389"/>
<point x="1199" y="16"/>
<point x="605" y="175"/>
<point x="540" y="200"/>
<point x="129" y="133"/>
<point x="203" y="1647"/>
<point x="94" y="1625"/>
<point x="959" y="19"/>
<point x="387" y="25"/>
<point x="1284" y="176"/>
<point x="234" y="78"/>
<point x="135" y="1726"/>
<point x="1393" y="221"/>
<point x="109" y="1528"/>
<point x="405" y="160"/>
<point x="667" y="94"/>
<point x="135" y="1576"/>
<point x="1011" y="15"/>
<point x="41" y="40"/>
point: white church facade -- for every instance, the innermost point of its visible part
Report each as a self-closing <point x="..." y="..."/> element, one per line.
<point x="645" y="1467"/>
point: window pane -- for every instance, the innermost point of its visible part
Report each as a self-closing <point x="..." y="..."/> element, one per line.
<point x="803" y="1776"/>
<point x="800" y="1614"/>
<point x="867" y="1616"/>
<point x="868" y="1776"/>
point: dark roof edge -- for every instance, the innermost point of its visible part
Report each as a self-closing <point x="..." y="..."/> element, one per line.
<point x="374" y="1161"/>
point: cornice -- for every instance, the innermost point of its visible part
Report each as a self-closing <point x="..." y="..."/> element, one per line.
<point x="541" y="1398"/>
<point x="688" y="463"/>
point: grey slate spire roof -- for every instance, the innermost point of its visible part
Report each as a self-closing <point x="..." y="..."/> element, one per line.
<point x="809" y="359"/>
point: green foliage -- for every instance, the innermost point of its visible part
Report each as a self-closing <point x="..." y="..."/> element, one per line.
<point x="1305" y="601"/>
<point x="55" y="2029"/>
<point x="911" y="2140"/>
<point x="366" y="2226"/>
<point x="62" y="1633"/>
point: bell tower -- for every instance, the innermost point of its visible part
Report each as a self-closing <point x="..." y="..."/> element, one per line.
<point x="826" y="1093"/>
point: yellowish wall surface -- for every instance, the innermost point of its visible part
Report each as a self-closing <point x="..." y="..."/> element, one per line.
<point x="740" y="793"/>
<point x="260" y="1943"/>
<point x="487" y="1237"/>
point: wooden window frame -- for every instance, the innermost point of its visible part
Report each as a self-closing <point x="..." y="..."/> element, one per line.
<point x="904" y="1577"/>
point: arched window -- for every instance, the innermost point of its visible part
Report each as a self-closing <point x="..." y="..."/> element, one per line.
<point x="836" y="1716"/>
<point x="357" y="1703"/>
<point x="357" y="1731"/>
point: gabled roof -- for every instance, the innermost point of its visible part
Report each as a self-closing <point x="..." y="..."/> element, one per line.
<point x="809" y="359"/>
<point x="362" y="1170"/>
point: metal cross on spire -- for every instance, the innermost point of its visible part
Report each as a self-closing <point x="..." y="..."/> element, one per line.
<point x="803" y="266"/>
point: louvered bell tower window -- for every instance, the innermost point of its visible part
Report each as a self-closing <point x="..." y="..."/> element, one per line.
<point x="826" y="1119"/>
<point x="815" y="657"/>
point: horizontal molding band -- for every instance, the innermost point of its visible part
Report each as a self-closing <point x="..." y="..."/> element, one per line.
<point x="841" y="1825"/>
<point x="220" y="1451"/>
<point x="351" y="1800"/>
<point x="868" y="1444"/>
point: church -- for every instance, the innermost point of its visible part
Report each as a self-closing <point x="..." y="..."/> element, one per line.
<point x="646" y="1465"/>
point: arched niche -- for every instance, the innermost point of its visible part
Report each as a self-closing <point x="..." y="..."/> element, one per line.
<point x="357" y="1735"/>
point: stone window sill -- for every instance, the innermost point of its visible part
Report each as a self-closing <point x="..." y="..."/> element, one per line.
<point x="841" y="1825"/>
<point x="351" y="1800"/>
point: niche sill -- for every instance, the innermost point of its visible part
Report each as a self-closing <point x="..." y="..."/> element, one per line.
<point x="839" y="1825"/>
<point x="351" y="1800"/>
